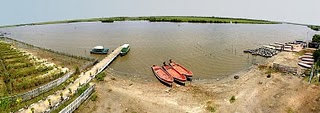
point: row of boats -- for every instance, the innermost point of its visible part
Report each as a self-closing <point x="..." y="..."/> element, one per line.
<point x="306" y="60"/>
<point x="173" y="72"/>
<point x="263" y="51"/>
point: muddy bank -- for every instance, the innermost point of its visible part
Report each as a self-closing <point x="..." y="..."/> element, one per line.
<point x="253" y="92"/>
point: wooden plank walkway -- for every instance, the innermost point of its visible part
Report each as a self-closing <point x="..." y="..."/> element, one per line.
<point x="43" y="106"/>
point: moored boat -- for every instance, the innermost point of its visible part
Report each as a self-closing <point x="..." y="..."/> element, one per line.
<point x="180" y="69"/>
<point x="162" y="75"/>
<point x="175" y="74"/>
<point x="125" y="49"/>
<point x="99" y="50"/>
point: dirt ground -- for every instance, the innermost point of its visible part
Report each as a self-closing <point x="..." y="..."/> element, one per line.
<point x="253" y="92"/>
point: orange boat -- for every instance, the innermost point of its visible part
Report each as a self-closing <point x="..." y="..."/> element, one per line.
<point x="175" y="74"/>
<point x="182" y="70"/>
<point x="162" y="75"/>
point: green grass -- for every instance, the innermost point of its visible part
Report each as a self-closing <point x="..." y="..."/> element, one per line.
<point x="192" y="19"/>
<point x="211" y="109"/>
<point x="100" y="76"/>
<point x="16" y="107"/>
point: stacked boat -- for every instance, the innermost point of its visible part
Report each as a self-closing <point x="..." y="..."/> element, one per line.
<point x="265" y="51"/>
<point x="167" y="74"/>
<point x="306" y="60"/>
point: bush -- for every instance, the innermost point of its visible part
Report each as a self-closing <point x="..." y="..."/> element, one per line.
<point x="94" y="97"/>
<point x="100" y="76"/>
<point x="211" y="109"/>
<point x="316" y="55"/>
<point x="316" y="38"/>
<point x="232" y="99"/>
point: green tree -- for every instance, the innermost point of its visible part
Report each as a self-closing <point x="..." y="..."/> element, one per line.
<point x="32" y="110"/>
<point x="316" y="38"/>
<point x="316" y="55"/>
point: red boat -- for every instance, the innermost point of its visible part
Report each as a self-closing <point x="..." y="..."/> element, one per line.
<point x="175" y="74"/>
<point x="182" y="70"/>
<point x="162" y="75"/>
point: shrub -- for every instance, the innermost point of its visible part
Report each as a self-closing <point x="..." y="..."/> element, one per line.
<point x="94" y="97"/>
<point x="316" y="38"/>
<point x="100" y="76"/>
<point x="211" y="109"/>
<point x="232" y="99"/>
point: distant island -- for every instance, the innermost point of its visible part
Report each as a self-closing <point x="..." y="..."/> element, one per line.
<point x="190" y="19"/>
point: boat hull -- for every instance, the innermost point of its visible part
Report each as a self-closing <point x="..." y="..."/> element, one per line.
<point x="176" y="75"/>
<point x="162" y="75"/>
<point x="122" y="53"/>
<point x="104" y="51"/>
<point x="182" y="70"/>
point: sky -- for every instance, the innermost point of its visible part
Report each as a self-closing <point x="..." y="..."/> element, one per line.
<point x="28" y="11"/>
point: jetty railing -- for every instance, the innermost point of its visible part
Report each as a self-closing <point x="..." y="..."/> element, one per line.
<point x="77" y="102"/>
<point x="44" y="88"/>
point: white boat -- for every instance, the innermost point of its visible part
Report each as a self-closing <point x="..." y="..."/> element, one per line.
<point x="270" y="47"/>
<point x="278" y="43"/>
<point x="306" y="62"/>
<point x="306" y="56"/>
<point x="304" y="65"/>
<point x="307" y="59"/>
<point x="125" y="49"/>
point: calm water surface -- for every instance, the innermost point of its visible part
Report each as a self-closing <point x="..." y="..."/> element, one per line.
<point x="209" y="50"/>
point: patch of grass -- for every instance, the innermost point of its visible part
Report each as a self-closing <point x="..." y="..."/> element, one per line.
<point x="211" y="109"/>
<point x="290" y="110"/>
<point x="16" y="107"/>
<point x="94" y="97"/>
<point x="100" y="76"/>
<point x="232" y="99"/>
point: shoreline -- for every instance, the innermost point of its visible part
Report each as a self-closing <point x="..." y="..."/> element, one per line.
<point x="253" y="91"/>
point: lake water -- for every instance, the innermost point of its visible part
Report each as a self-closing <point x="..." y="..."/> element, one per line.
<point x="209" y="50"/>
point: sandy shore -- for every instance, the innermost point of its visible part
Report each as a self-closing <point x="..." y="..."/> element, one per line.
<point x="253" y="92"/>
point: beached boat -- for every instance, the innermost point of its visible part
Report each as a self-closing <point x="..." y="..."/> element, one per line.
<point x="162" y="75"/>
<point x="306" y="62"/>
<point x="308" y="53"/>
<point x="304" y="65"/>
<point x="308" y="59"/>
<point x="125" y="49"/>
<point x="175" y="74"/>
<point x="306" y="56"/>
<point x="179" y="68"/>
<point x="99" y="50"/>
